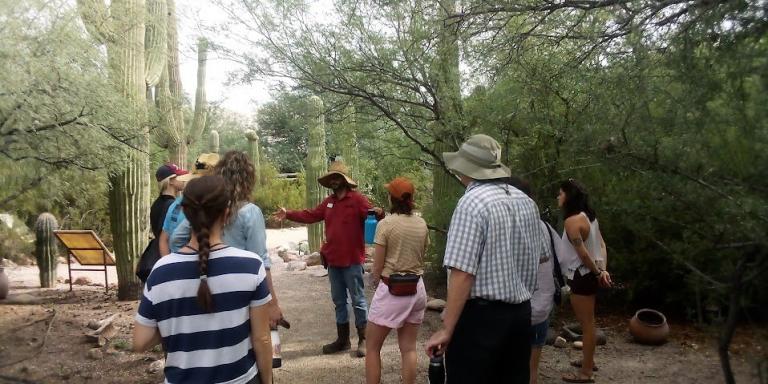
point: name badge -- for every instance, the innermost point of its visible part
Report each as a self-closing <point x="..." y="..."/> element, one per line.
<point x="330" y="205"/>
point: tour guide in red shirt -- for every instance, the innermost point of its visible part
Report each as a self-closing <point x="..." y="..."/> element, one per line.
<point x="343" y="250"/>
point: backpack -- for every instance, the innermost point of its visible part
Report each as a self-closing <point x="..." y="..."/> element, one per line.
<point x="559" y="280"/>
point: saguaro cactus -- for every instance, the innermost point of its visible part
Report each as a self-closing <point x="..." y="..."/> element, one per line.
<point x="121" y="27"/>
<point x="346" y="137"/>
<point x="46" y="250"/>
<point x="173" y="134"/>
<point x="449" y="128"/>
<point x="213" y="144"/>
<point x="316" y="166"/>
<point x="253" y="149"/>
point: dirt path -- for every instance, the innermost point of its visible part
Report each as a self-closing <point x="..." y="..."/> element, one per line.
<point x="58" y="353"/>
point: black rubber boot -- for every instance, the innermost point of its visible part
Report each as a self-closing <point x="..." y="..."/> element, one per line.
<point x="342" y="340"/>
<point x="360" y="341"/>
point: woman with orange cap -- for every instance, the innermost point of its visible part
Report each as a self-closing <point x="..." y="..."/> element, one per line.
<point x="400" y="300"/>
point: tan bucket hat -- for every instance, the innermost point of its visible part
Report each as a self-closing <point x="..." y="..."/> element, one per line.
<point x="479" y="158"/>
<point x="203" y="166"/>
<point x="336" y="168"/>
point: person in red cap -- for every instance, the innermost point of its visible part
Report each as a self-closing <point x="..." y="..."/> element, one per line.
<point x="169" y="186"/>
<point x="343" y="250"/>
<point x="400" y="298"/>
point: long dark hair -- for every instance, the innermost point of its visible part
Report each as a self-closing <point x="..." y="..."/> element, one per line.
<point x="576" y="200"/>
<point x="237" y="169"/>
<point x="205" y="201"/>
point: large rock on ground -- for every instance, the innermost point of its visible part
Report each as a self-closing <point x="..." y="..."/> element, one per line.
<point x="296" y="266"/>
<point x="312" y="259"/>
<point x="436" y="304"/>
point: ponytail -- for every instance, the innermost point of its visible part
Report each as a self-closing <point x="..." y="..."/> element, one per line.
<point x="204" y="297"/>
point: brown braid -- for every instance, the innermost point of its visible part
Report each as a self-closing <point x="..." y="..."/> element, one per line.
<point x="205" y="200"/>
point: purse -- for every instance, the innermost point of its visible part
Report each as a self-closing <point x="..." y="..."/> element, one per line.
<point x="402" y="284"/>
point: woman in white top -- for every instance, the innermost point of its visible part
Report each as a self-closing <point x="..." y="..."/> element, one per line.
<point x="586" y="272"/>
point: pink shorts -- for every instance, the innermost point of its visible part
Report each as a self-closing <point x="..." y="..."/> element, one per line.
<point x="395" y="311"/>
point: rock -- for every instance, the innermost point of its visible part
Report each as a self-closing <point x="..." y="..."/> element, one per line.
<point x="436" y="304"/>
<point x="296" y="266"/>
<point x="578" y="345"/>
<point x="283" y="254"/>
<point x="368" y="267"/>
<point x="95" y="354"/>
<point x="82" y="280"/>
<point x="6" y="263"/>
<point x="313" y="259"/>
<point x="156" y="366"/>
<point x="560" y="342"/>
<point x="320" y="273"/>
<point x="292" y="256"/>
<point x="572" y="332"/>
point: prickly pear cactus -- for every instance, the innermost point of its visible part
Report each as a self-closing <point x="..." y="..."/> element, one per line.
<point x="46" y="250"/>
<point x="316" y="167"/>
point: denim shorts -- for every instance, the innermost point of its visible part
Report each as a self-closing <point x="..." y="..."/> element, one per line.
<point x="539" y="333"/>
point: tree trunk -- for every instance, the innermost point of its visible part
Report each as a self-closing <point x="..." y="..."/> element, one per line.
<point x="726" y="335"/>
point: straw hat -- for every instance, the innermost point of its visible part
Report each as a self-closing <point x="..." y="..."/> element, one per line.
<point x="336" y="168"/>
<point x="203" y="166"/>
<point x="479" y="158"/>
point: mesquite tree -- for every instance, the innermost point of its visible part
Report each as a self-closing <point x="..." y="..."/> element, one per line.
<point x="316" y="166"/>
<point x="121" y="28"/>
<point x="46" y="250"/>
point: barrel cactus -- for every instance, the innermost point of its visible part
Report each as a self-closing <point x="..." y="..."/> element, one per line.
<point x="253" y="149"/>
<point x="46" y="250"/>
<point x="316" y="167"/>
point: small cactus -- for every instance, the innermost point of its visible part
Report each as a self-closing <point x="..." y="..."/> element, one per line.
<point x="253" y="149"/>
<point x="214" y="142"/>
<point x="46" y="250"/>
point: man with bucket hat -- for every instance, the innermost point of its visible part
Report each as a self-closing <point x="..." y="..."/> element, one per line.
<point x="492" y="253"/>
<point x="343" y="251"/>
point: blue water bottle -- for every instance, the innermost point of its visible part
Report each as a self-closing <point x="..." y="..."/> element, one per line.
<point x="370" y="226"/>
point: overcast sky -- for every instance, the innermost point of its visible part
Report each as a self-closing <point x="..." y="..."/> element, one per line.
<point x="238" y="98"/>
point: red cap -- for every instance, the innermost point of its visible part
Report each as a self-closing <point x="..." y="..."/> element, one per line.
<point x="399" y="186"/>
<point x="167" y="170"/>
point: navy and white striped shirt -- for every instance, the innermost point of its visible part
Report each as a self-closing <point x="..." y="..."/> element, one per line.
<point x="206" y="347"/>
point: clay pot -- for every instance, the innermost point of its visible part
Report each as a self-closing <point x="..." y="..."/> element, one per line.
<point x="649" y="327"/>
<point x="3" y="284"/>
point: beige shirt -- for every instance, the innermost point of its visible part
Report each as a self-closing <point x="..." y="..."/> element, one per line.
<point x="406" y="239"/>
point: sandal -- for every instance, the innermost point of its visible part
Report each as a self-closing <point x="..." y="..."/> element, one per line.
<point x="575" y="377"/>
<point x="577" y="364"/>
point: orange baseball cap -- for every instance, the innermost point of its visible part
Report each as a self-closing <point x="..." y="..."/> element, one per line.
<point x="399" y="186"/>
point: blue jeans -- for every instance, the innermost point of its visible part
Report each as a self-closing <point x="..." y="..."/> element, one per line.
<point x="350" y="280"/>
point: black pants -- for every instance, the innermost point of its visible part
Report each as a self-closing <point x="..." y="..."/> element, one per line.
<point x="491" y="344"/>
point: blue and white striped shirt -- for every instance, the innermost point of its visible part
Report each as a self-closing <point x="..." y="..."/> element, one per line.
<point x="495" y="235"/>
<point x="206" y="347"/>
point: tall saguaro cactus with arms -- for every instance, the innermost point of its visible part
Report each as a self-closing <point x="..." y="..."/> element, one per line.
<point x="316" y="166"/>
<point x="121" y="28"/>
<point x="46" y="251"/>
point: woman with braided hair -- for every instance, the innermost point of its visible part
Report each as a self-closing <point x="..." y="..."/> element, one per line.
<point x="244" y="226"/>
<point x="207" y="302"/>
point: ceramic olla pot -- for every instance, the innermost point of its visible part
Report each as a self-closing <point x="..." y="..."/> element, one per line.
<point x="3" y="284"/>
<point x="649" y="327"/>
